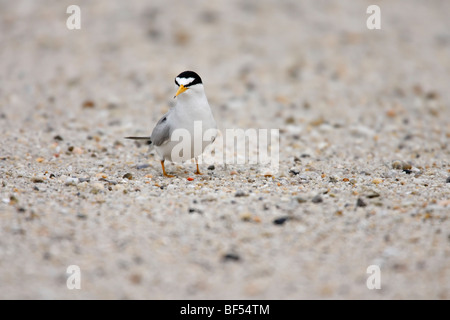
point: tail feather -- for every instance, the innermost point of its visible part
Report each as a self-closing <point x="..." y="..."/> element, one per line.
<point x="139" y="138"/>
<point x="147" y="139"/>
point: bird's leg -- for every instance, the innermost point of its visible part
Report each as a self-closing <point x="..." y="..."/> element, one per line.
<point x="164" y="170"/>
<point x="198" y="171"/>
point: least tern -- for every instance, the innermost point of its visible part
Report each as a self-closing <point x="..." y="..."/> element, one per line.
<point x="191" y="109"/>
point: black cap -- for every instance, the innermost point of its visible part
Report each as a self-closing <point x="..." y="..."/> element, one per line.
<point x="187" y="79"/>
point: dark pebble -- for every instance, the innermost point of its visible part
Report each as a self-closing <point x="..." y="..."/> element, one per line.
<point x="300" y="200"/>
<point x="305" y="155"/>
<point x="58" y="138"/>
<point x="373" y="195"/>
<point x="21" y="210"/>
<point x="192" y="210"/>
<point x="240" y="193"/>
<point x="18" y="231"/>
<point x="360" y="203"/>
<point x="35" y="188"/>
<point x="208" y="17"/>
<point x="407" y="171"/>
<point x="128" y="176"/>
<point x="46" y="256"/>
<point x="211" y="167"/>
<point x="51" y="176"/>
<point x="280" y="221"/>
<point x="109" y="181"/>
<point x="138" y="260"/>
<point x="142" y="166"/>
<point x="317" y="199"/>
<point x="294" y="172"/>
<point x="408" y="137"/>
<point x="432" y="95"/>
<point x="448" y="180"/>
<point x="231" y="257"/>
<point x="70" y="149"/>
<point x="81" y="216"/>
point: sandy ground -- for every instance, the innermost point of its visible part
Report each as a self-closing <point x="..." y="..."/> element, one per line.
<point x="349" y="102"/>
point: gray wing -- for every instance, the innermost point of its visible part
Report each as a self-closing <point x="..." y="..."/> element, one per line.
<point x="161" y="132"/>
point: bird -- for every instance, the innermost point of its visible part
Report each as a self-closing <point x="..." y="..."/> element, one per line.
<point x="192" y="116"/>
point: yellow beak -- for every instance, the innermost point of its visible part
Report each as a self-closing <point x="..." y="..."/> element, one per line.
<point x="181" y="89"/>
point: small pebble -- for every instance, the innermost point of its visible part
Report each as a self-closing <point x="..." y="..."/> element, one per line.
<point x="240" y="193"/>
<point x="231" y="257"/>
<point x="432" y="95"/>
<point x="289" y="120"/>
<point x="88" y="104"/>
<point x="96" y="188"/>
<point x="401" y="165"/>
<point x="71" y="181"/>
<point x="128" y="176"/>
<point x="317" y="199"/>
<point x="334" y="179"/>
<point x="372" y="194"/>
<point x="58" y="138"/>
<point x="142" y="166"/>
<point x="448" y="180"/>
<point x="135" y="278"/>
<point x="109" y="181"/>
<point x="81" y="216"/>
<point x="78" y="150"/>
<point x="300" y="199"/>
<point x="13" y="200"/>
<point x="280" y="221"/>
<point x="360" y="203"/>
<point x="211" y="167"/>
<point x="37" y="180"/>
<point x="294" y="171"/>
